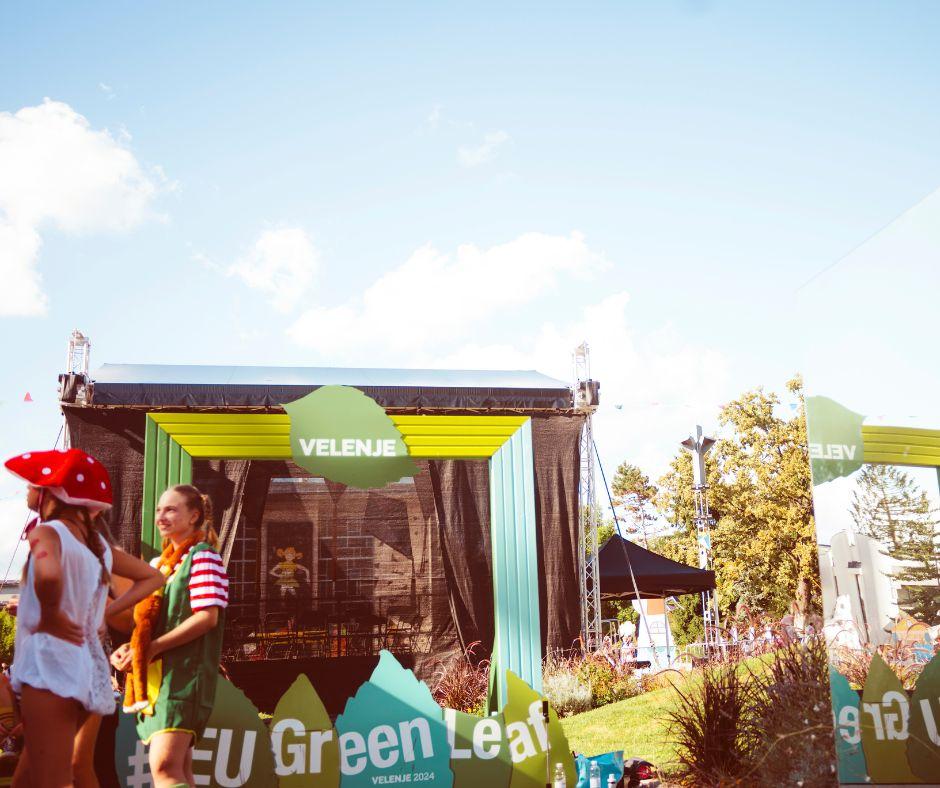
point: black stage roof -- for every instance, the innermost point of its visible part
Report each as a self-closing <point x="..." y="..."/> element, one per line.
<point x="176" y="386"/>
<point x="656" y="575"/>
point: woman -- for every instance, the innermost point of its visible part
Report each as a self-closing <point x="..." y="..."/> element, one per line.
<point x="173" y="656"/>
<point x="60" y="670"/>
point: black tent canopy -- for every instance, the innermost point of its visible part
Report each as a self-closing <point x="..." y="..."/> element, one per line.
<point x="656" y="576"/>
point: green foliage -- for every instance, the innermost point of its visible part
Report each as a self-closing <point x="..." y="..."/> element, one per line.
<point x="890" y="507"/>
<point x="633" y="493"/>
<point x="7" y="636"/>
<point x="634" y="726"/>
<point x="607" y="684"/>
<point x="605" y="530"/>
<point x="764" y="543"/>
<point x="685" y="619"/>
<point x="761" y="723"/>
<point x="566" y="693"/>
<point x="711" y="728"/>
<point x="462" y="682"/>
<point x="620" y="609"/>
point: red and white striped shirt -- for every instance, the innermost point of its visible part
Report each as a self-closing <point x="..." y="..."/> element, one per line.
<point x="208" y="583"/>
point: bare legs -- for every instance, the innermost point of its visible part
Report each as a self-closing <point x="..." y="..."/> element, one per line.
<point x="171" y="759"/>
<point x="83" y="757"/>
<point x="50" y="724"/>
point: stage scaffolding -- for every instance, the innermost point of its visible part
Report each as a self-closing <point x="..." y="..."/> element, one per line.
<point x="586" y="401"/>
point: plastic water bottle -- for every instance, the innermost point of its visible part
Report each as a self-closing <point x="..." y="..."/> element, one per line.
<point x="560" y="779"/>
<point x="594" y="775"/>
<point x="611" y="781"/>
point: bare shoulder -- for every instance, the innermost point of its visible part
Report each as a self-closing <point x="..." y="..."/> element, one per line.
<point x="45" y="534"/>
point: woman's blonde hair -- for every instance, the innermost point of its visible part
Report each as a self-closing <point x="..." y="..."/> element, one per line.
<point x="201" y="503"/>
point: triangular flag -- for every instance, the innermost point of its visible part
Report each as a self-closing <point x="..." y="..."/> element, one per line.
<point x="27" y="398"/>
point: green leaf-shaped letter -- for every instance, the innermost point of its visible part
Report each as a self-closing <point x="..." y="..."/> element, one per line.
<point x="847" y="713"/>
<point x="528" y="739"/>
<point x="923" y="747"/>
<point x="303" y="740"/>
<point x="885" y="725"/>
<point x="392" y="732"/>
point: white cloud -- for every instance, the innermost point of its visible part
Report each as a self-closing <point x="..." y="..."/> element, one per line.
<point x="282" y="263"/>
<point x="453" y="293"/>
<point x="107" y="90"/>
<point x="430" y="311"/>
<point x="22" y="284"/>
<point x="663" y="383"/>
<point x="59" y="172"/>
<point x="474" y="156"/>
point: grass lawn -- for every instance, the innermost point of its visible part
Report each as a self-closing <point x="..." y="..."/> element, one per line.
<point x="634" y="725"/>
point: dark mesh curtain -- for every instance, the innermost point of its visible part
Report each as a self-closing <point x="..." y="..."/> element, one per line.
<point x="556" y="449"/>
<point x="462" y="509"/>
<point x="224" y="481"/>
<point x="116" y="439"/>
<point x="461" y="497"/>
<point x="423" y="547"/>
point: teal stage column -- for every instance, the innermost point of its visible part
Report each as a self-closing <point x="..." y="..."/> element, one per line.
<point x="518" y="640"/>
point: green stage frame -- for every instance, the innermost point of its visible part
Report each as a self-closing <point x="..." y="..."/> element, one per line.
<point x="173" y="440"/>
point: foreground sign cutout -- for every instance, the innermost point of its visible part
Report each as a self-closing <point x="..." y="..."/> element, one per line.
<point x="391" y="732"/>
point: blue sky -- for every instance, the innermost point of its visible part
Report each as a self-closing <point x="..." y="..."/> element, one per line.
<point x="424" y="184"/>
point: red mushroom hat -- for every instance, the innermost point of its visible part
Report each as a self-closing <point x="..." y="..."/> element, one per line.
<point x="69" y="474"/>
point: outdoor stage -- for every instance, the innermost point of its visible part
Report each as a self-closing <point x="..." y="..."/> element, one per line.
<point x="324" y="575"/>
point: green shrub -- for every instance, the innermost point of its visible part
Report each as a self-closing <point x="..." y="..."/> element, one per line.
<point x="792" y="719"/>
<point x="566" y="694"/>
<point x="7" y="636"/>
<point x="607" y="683"/>
<point x="766" y="724"/>
<point x="711" y="728"/>
<point x="462" y="682"/>
<point x="660" y="680"/>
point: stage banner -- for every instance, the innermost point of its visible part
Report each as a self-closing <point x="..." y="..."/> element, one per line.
<point x="873" y="428"/>
<point x="391" y="732"/>
<point x="343" y="435"/>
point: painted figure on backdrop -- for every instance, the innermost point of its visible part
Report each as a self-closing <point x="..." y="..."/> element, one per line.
<point x="172" y="660"/>
<point x="286" y="572"/>
<point x="60" y="670"/>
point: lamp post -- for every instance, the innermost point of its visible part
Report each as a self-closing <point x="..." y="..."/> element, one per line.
<point x="699" y="445"/>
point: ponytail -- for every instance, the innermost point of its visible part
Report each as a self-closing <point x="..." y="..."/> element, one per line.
<point x="201" y="503"/>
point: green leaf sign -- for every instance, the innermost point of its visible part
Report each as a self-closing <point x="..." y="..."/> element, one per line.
<point x="306" y="751"/>
<point x="341" y="434"/>
<point x="835" y="439"/>
<point x="390" y="733"/>
<point x="923" y="752"/>
<point x="235" y="750"/>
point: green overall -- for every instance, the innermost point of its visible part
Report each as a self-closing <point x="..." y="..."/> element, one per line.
<point x="187" y="674"/>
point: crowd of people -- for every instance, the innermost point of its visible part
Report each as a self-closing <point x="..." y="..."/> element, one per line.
<point x="79" y="593"/>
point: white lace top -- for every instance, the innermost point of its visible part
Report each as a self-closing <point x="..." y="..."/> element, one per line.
<point x="46" y="662"/>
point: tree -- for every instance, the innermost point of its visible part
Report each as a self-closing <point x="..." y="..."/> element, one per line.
<point x="760" y="496"/>
<point x="7" y="636"/>
<point x="888" y="506"/>
<point x="633" y="492"/>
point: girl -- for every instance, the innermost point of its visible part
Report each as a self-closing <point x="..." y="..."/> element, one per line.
<point x="60" y="670"/>
<point x="173" y="656"/>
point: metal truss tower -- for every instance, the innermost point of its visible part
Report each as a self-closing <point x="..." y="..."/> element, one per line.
<point x="586" y="401"/>
<point x="78" y="355"/>
<point x="699" y="445"/>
